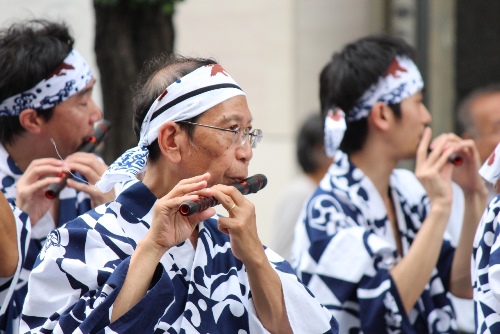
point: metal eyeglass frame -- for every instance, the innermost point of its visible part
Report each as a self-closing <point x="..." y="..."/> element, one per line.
<point x="255" y="135"/>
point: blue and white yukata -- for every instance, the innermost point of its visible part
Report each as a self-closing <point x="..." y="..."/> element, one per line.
<point x="8" y="305"/>
<point x="204" y="290"/>
<point x="72" y="204"/>
<point x="485" y="270"/>
<point x="344" y="247"/>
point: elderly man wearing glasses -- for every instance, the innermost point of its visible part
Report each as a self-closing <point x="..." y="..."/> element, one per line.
<point x="137" y="265"/>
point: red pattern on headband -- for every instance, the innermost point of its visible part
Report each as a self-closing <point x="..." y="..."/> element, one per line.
<point x="337" y="115"/>
<point x="162" y="94"/>
<point x="216" y="68"/>
<point x="393" y="68"/>
<point x="491" y="158"/>
<point x="59" y="70"/>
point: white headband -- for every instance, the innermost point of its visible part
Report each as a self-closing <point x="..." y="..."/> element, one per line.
<point x="401" y="80"/>
<point x="490" y="170"/>
<point x="186" y="98"/>
<point x="66" y="80"/>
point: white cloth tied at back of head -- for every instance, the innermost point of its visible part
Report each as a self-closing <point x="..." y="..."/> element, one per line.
<point x="490" y="170"/>
<point x="401" y="80"/>
<point x="187" y="97"/>
<point x="70" y="77"/>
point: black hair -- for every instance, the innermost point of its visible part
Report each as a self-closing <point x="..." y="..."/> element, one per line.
<point x="353" y="70"/>
<point x="29" y="51"/>
<point x="157" y="75"/>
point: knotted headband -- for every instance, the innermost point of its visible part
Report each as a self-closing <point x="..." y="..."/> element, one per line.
<point x="189" y="96"/>
<point x="401" y="80"/>
<point x="66" y="80"/>
<point x="490" y="170"/>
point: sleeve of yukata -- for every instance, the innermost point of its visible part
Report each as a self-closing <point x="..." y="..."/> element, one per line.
<point x="72" y="289"/>
<point x="348" y="271"/>
<point x="8" y="284"/>
<point x="305" y="313"/>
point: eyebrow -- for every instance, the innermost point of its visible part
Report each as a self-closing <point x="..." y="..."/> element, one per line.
<point x="85" y="91"/>
<point x="88" y="89"/>
<point x="236" y="117"/>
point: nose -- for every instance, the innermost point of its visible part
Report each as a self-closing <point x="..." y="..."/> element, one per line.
<point x="95" y="112"/>
<point x="245" y="151"/>
<point x="426" y="115"/>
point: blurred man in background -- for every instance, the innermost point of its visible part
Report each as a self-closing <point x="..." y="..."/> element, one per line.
<point x="479" y="120"/>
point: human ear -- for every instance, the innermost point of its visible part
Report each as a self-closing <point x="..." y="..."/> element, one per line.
<point x="169" y="140"/>
<point x="30" y="121"/>
<point x="380" y="116"/>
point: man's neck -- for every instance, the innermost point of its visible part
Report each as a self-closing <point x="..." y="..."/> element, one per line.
<point x="159" y="179"/>
<point x="376" y="166"/>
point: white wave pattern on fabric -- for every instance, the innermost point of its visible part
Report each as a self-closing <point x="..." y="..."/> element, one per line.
<point x="65" y="81"/>
<point x="189" y="96"/>
<point x="401" y="80"/>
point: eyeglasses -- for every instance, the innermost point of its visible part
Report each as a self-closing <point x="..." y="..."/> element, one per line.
<point x="240" y="135"/>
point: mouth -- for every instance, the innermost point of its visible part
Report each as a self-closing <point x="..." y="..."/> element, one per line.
<point x="86" y="139"/>
<point x="236" y="179"/>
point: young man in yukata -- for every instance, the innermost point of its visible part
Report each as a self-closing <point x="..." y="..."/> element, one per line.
<point x="45" y="102"/>
<point x="373" y="245"/>
<point x="137" y="265"/>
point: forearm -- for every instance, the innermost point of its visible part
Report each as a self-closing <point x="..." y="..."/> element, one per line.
<point x="413" y="272"/>
<point x="142" y="267"/>
<point x="8" y="240"/>
<point x="460" y="280"/>
<point x="267" y="295"/>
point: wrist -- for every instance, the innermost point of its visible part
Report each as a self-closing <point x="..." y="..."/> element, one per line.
<point x="148" y="250"/>
<point x="440" y="211"/>
<point x="477" y="194"/>
<point x="257" y="262"/>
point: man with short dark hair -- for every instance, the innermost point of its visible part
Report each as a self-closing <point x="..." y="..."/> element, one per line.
<point x="136" y="265"/>
<point x="372" y="246"/>
<point x="46" y="113"/>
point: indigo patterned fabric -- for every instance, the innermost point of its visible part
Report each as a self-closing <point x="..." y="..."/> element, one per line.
<point x="72" y="204"/>
<point x="9" y="307"/>
<point x="204" y="290"/>
<point x="344" y="247"/>
<point x="486" y="271"/>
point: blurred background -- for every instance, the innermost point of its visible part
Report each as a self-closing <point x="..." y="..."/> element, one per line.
<point x="275" y="51"/>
